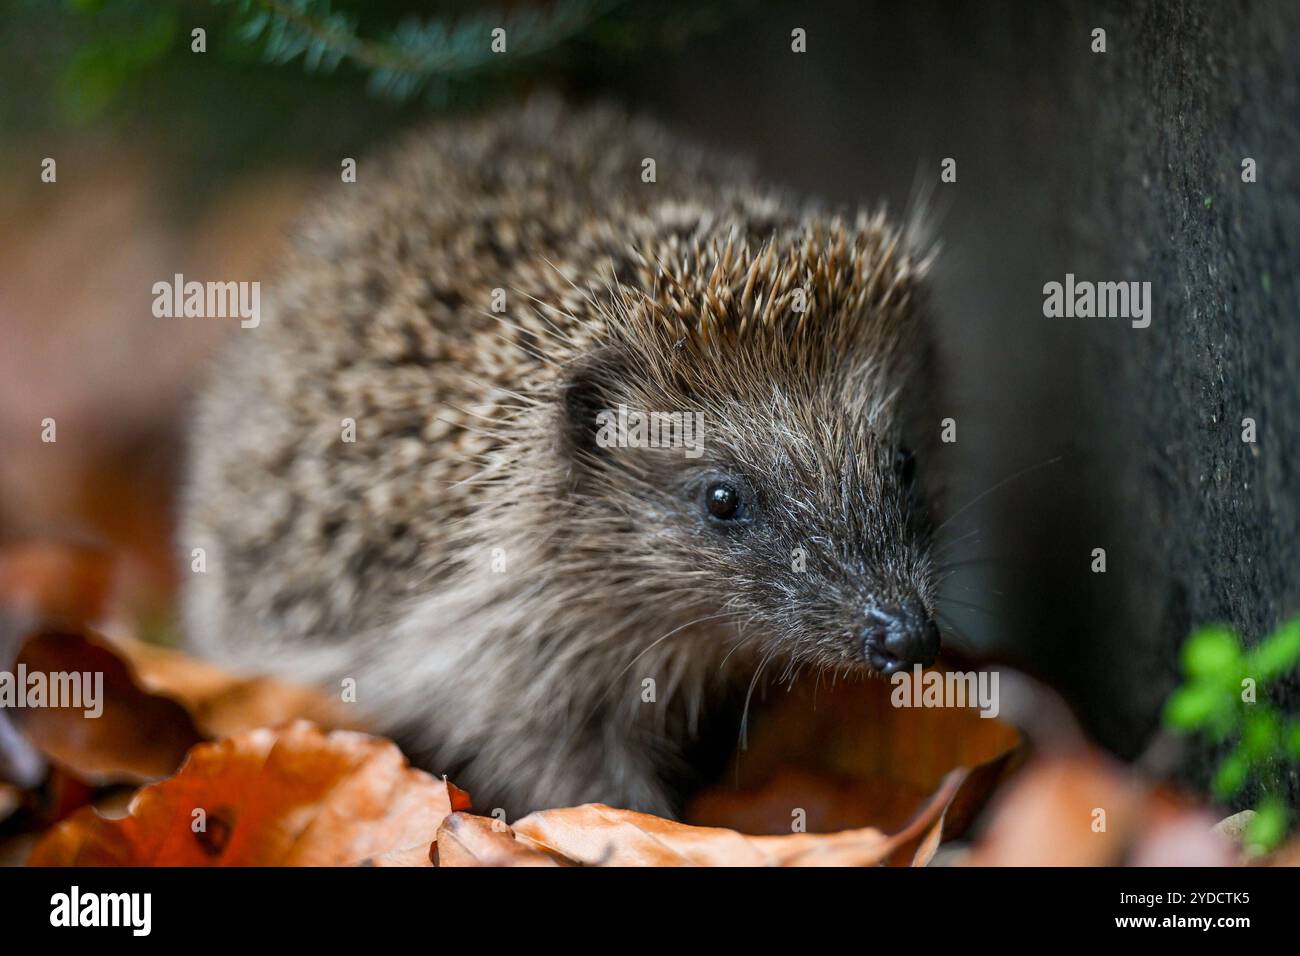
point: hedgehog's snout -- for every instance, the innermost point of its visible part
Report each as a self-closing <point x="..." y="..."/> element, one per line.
<point x="898" y="636"/>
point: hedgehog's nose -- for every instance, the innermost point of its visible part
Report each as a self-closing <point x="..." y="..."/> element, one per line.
<point x="898" y="636"/>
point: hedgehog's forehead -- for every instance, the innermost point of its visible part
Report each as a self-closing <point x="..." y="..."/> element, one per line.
<point x="786" y="451"/>
<point x="760" y="415"/>
<point x="783" y="377"/>
<point x="782" y="419"/>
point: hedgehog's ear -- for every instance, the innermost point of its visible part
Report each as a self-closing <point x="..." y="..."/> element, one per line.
<point x="589" y="402"/>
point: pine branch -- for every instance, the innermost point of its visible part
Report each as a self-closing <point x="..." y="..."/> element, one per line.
<point x="415" y="52"/>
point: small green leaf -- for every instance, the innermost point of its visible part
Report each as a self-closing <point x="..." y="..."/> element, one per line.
<point x="1231" y="776"/>
<point x="1267" y="828"/>
<point x="1291" y="740"/>
<point x="1262" y="734"/>
<point x="1193" y="706"/>
<point x="1277" y="654"/>
<point x="1212" y="652"/>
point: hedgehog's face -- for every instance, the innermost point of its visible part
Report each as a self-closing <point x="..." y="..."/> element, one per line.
<point x="823" y="547"/>
<point x="838" y="587"/>
<point x="799" y="518"/>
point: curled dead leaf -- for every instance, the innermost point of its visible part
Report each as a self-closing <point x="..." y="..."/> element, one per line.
<point x="56" y="581"/>
<point x="861" y="760"/>
<point x="221" y="703"/>
<point x="468" y="840"/>
<point x="136" y="737"/>
<point x="1086" y="809"/>
<point x="11" y="798"/>
<point x="597" y="835"/>
<point x="293" y="796"/>
<point x="156" y="704"/>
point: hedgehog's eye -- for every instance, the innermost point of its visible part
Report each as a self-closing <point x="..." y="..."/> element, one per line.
<point x="722" y="500"/>
<point x="905" y="465"/>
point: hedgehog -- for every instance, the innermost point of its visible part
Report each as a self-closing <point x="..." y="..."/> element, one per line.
<point x="406" y="481"/>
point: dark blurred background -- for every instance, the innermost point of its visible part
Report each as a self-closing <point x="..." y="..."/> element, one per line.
<point x="1123" y="165"/>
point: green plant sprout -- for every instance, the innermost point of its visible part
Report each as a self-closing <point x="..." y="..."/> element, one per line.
<point x="1219" y="699"/>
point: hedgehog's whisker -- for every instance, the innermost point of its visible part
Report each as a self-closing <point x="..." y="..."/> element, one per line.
<point x="1005" y="481"/>
<point x="957" y="637"/>
<point x="970" y="562"/>
<point x="972" y="606"/>
<point x="658" y="641"/>
<point x="950" y="545"/>
<point x="595" y="708"/>
<point x="740" y="641"/>
<point x="743" y="737"/>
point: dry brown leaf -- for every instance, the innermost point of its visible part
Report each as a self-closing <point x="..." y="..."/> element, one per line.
<point x="11" y="798"/>
<point x="858" y="732"/>
<point x="1049" y="816"/>
<point x="860" y="760"/>
<point x="138" y="737"/>
<point x="158" y="703"/>
<point x="829" y="803"/>
<point x="66" y="582"/>
<point x="597" y="835"/>
<point x="869" y="788"/>
<point x="468" y="840"/>
<point x="65" y="586"/>
<point x="223" y="704"/>
<point x="826" y="801"/>
<point x="974" y="789"/>
<point x="409" y="857"/>
<point x="295" y="796"/>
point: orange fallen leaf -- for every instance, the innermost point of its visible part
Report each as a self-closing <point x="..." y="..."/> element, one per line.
<point x="412" y="856"/>
<point x="55" y="581"/>
<point x="826" y="801"/>
<point x="468" y="840"/>
<point x="11" y="798"/>
<point x="1084" y="808"/>
<point x="293" y="796"/>
<point x="137" y="737"/>
<point x="597" y="835"/>
<point x="222" y="703"/>
<point x="848" y="758"/>
<point x="157" y="704"/>
<point x="53" y="584"/>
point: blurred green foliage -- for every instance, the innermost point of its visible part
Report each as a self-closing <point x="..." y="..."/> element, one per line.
<point x="292" y="79"/>
<point x="440" y="50"/>
<point x="1222" y="698"/>
<point x="97" y="73"/>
